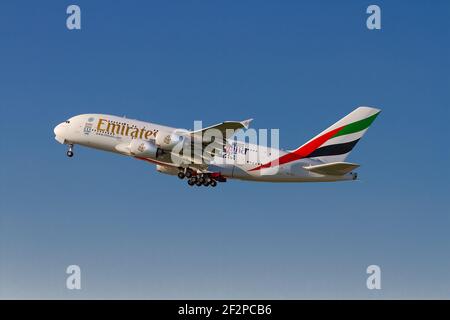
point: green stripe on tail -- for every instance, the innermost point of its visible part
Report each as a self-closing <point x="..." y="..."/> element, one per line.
<point x="356" y="126"/>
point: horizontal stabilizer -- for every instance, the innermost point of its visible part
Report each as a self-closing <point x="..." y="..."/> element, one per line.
<point x="333" y="168"/>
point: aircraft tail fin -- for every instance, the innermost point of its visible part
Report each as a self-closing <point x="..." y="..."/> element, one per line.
<point x="335" y="143"/>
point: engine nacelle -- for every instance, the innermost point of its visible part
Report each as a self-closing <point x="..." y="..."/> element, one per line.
<point x="167" y="170"/>
<point x="144" y="149"/>
<point x="168" y="140"/>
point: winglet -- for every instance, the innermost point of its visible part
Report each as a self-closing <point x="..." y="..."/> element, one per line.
<point x="246" y="123"/>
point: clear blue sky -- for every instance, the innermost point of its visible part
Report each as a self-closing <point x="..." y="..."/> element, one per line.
<point x="294" y="65"/>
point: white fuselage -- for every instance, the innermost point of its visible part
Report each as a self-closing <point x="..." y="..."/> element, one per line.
<point x="237" y="160"/>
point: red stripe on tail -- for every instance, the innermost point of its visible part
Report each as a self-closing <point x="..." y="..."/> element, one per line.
<point x="301" y="152"/>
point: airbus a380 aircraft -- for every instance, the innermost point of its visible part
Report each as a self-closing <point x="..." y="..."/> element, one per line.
<point x="320" y="159"/>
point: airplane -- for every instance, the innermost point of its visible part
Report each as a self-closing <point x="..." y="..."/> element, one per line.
<point x="321" y="159"/>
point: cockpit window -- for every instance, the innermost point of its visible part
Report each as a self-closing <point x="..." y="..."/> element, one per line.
<point x="67" y="121"/>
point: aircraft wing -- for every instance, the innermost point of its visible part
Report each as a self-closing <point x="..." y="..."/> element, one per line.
<point x="214" y="137"/>
<point x="204" y="144"/>
<point x="226" y="128"/>
<point x="333" y="168"/>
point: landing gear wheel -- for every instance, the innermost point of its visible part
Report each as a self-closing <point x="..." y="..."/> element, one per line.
<point x="181" y="175"/>
<point x="199" y="183"/>
<point x="70" y="151"/>
<point x="188" y="174"/>
<point x="192" y="181"/>
<point x="213" y="183"/>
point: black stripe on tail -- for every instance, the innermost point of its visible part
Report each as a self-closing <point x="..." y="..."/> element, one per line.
<point x="334" y="149"/>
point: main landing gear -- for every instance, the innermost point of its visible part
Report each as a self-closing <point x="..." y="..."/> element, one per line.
<point x="197" y="179"/>
<point x="70" y="151"/>
<point x="186" y="173"/>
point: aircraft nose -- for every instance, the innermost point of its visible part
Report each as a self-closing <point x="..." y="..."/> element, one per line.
<point x="58" y="130"/>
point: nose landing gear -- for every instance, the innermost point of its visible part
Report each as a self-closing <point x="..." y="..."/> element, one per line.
<point x="70" y="151"/>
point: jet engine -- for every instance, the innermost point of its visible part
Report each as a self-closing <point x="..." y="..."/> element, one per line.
<point x="168" y="140"/>
<point x="145" y="149"/>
